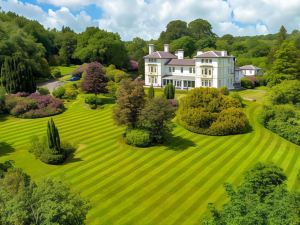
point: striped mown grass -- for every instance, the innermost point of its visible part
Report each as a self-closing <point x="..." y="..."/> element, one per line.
<point x="167" y="184"/>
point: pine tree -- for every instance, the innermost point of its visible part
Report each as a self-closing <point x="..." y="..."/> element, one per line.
<point x="53" y="136"/>
<point x="169" y="91"/>
<point x="282" y="35"/>
<point x="151" y="92"/>
<point x="287" y="60"/>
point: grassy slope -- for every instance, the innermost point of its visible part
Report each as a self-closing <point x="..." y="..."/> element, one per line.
<point x="169" y="184"/>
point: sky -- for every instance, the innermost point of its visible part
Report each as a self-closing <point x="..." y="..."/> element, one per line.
<point x="147" y="18"/>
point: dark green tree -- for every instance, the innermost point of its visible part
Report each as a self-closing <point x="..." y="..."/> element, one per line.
<point x="169" y="91"/>
<point x="282" y="35"/>
<point x="175" y="29"/>
<point x="156" y="117"/>
<point x="263" y="198"/>
<point x="200" y="28"/>
<point x="98" y="45"/>
<point x="17" y="76"/>
<point x="186" y="43"/>
<point x="53" y="136"/>
<point x="130" y="101"/>
<point x="287" y="60"/>
<point x="151" y="92"/>
<point x="47" y="202"/>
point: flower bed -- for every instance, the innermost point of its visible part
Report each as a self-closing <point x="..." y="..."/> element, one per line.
<point x="33" y="105"/>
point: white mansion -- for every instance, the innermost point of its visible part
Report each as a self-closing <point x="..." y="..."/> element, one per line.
<point x="206" y="69"/>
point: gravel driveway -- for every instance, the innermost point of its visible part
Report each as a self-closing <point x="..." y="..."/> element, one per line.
<point x="51" y="85"/>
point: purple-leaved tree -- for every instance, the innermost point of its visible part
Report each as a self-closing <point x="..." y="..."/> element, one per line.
<point x="95" y="80"/>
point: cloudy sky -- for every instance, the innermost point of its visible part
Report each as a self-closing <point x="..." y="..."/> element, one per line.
<point x="147" y="18"/>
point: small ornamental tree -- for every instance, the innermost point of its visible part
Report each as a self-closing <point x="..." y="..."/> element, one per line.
<point x="130" y="101"/>
<point x="151" y="92"/>
<point x="156" y="118"/>
<point x="53" y="136"/>
<point x="169" y="91"/>
<point x="95" y="80"/>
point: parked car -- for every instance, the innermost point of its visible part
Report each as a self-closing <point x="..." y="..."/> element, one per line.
<point x="75" y="78"/>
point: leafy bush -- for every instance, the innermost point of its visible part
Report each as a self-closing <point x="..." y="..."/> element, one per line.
<point x="224" y="90"/>
<point x="33" y="106"/>
<point x="115" y="75"/>
<point x="246" y="83"/>
<point x="283" y="120"/>
<point x="93" y="101"/>
<point x="230" y="121"/>
<point x="59" y="92"/>
<point x="56" y="73"/>
<point x="208" y="111"/>
<point x="70" y="91"/>
<point x="43" y="91"/>
<point x="137" y="137"/>
<point x="237" y="97"/>
<point x="287" y="91"/>
<point x="39" y="147"/>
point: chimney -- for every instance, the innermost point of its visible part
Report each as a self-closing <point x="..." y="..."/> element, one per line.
<point x="151" y="48"/>
<point x="166" y="47"/>
<point x="180" y="54"/>
<point x="223" y="53"/>
<point x="199" y="52"/>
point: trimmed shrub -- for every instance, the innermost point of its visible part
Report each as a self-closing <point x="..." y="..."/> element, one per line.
<point x="43" y="91"/>
<point x="70" y="91"/>
<point x="40" y="148"/>
<point x="138" y="138"/>
<point x="93" y="101"/>
<point x="246" y="83"/>
<point x="59" y="92"/>
<point x="230" y="121"/>
<point x="208" y="111"/>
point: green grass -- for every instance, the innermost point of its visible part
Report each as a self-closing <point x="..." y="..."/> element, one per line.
<point x="168" y="184"/>
<point x="65" y="71"/>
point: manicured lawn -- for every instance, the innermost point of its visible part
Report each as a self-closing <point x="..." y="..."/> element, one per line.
<point x="66" y="71"/>
<point x="168" y="184"/>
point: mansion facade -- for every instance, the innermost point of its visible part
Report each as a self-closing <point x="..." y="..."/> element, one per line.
<point x="206" y="69"/>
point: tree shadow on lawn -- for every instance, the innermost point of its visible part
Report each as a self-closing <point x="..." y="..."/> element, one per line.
<point x="5" y="149"/>
<point x="178" y="143"/>
<point x="72" y="159"/>
<point x="3" y="117"/>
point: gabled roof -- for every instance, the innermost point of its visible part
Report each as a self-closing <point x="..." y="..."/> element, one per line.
<point x="249" y="67"/>
<point x="212" y="54"/>
<point x="161" y="55"/>
<point x="181" y="62"/>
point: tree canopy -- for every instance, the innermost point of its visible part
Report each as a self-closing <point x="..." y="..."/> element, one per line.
<point x="262" y="198"/>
